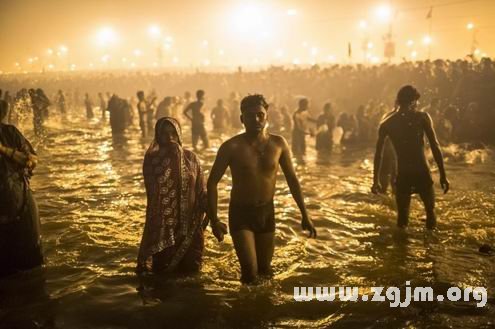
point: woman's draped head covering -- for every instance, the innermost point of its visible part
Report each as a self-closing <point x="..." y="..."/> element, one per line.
<point x="175" y="188"/>
<point x="162" y="122"/>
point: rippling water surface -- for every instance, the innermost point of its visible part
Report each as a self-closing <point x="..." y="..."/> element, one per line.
<point x="91" y="197"/>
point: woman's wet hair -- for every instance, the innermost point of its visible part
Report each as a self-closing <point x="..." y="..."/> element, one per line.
<point x="407" y="95"/>
<point x="253" y="101"/>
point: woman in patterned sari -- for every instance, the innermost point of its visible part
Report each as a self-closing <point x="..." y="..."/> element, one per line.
<point x="175" y="214"/>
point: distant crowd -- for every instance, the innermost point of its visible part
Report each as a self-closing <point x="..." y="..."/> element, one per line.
<point x="345" y="102"/>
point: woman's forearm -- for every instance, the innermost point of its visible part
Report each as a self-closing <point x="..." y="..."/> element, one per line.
<point x="24" y="160"/>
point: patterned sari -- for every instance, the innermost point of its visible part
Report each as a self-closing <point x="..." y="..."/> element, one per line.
<point x="176" y="207"/>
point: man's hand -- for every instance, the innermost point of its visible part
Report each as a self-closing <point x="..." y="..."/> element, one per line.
<point x="445" y="184"/>
<point x="307" y="225"/>
<point x="376" y="188"/>
<point x="219" y="229"/>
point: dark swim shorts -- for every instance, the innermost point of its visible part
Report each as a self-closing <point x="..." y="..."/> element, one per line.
<point x="411" y="183"/>
<point x="258" y="218"/>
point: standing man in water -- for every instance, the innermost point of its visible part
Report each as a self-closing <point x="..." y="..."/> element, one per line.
<point x="406" y="128"/>
<point x="197" y="118"/>
<point x="254" y="158"/>
<point x="103" y="106"/>
<point x="142" y="109"/>
<point x="300" y="130"/>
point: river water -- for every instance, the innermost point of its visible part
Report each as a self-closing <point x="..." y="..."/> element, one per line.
<point x="90" y="192"/>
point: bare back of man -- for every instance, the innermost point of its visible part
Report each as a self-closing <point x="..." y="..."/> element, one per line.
<point x="406" y="129"/>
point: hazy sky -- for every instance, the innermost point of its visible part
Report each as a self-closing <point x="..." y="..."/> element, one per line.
<point x="320" y="30"/>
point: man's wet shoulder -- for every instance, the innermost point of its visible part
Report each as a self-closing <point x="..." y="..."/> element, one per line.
<point x="279" y="140"/>
<point x="233" y="142"/>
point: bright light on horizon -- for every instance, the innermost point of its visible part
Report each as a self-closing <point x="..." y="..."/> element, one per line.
<point x="254" y="22"/>
<point x="291" y="12"/>
<point x="106" y="36"/>
<point x="384" y="13"/>
<point x="154" y="30"/>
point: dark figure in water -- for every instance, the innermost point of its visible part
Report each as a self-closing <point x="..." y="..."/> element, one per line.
<point x="150" y="112"/>
<point x="142" y="109"/>
<point x="234" y="109"/>
<point x="194" y="113"/>
<point x="118" y="109"/>
<point x="254" y="158"/>
<point x="39" y="105"/>
<point x="219" y="117"/>
<point x="12" y="114"/>
<point x="103" y="106"/>
<point x="406" y="128"/>
<point x="88" y="103"/>
<point x="45" y="102"/>
<point x="164" y="108"/>
<point x="20" y="242"/>
<point x="301" y="120"/>
<point x="60" y="101"/>
<point x="325" y="125"/>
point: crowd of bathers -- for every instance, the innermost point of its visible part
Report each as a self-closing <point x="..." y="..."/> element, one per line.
<point x="457" y="94"/>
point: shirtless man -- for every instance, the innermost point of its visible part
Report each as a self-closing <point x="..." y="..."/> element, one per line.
<point x="253" y="158"/>
<point x="300" y="130"/>
<point x="195" y="112"/>
<point x="406" y="128"/>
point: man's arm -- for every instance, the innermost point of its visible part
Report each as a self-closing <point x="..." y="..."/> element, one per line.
<point x="295" y="188"/>
<point x="186" y="112"/>
<point x="437" y="153"/>
<point x="376" y="188"/>
<point x="217" y="170"/>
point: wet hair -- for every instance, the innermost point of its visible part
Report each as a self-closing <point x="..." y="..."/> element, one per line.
<point x="407" y="95"/>
<point x="303" y="101"/>
<point x="4" y="106"/>
<point x="253" y="101"/>
<point x="200" y="93"/>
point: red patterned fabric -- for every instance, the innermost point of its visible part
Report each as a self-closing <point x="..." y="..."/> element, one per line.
<point x="176" y="207"/>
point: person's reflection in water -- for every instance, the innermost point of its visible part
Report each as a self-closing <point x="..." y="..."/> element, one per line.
<point x="176" y="205"/>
